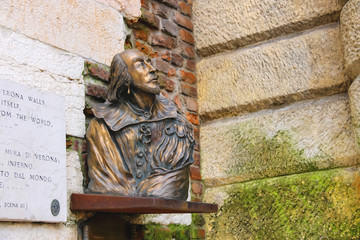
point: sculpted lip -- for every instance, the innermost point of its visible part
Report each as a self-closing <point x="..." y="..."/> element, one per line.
<point x="154" y="79"/>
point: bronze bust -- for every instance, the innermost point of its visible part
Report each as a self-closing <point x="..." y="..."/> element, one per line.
<point x="138" y="143"/>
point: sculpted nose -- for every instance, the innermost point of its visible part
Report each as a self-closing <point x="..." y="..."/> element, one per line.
<point x="151" y="68"/>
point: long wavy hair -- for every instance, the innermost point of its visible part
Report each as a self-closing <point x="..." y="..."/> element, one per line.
<point x="120" y="79"/>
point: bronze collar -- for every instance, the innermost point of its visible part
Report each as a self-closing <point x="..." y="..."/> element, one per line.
<point x="121" y="114"/>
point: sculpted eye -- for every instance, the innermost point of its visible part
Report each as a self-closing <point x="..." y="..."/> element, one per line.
<point x="140" y="64"/>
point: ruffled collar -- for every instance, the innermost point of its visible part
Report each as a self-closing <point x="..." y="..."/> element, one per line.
<point x="121" y="114"/>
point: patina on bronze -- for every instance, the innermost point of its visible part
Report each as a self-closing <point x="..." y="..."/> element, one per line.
<point x="138" y="143"/>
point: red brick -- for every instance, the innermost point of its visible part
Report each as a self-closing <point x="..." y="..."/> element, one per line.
<point x="69" y="143"/>
<point x="185" y="8"/>
<point x="188" y="90"/>
<point x="196" y="158"/>
<point x="197" y="146"/>
<point x="171" y="3"/>
<point x="84" y="146"/>
<point x="190" y="65"/>
<point x="169" y="28"/>
<point x="191" y="104"/>
<point x="145" y="4"/>
<point x="167" y="83"/>
<point x="171" y="72"/>
<point x="163" y="41"/>
<point x="183" y="21"/>
<point x="187" y="50"/>
<point x="161" y="65"/>
<point x="177" y="59"/>
<point x="186" y="36"/>
<point x="196" y="188"/>
<point x="141" y="34"/>
<point x="160" y="9"/>
<point x="96" y="91"/>
<point x="147" y="50"/>
<point x="76" y="145"/>
<point x="150" y="19"/>
<point x="177" y="101"/>
<point x="97" y="70"/>
<point x="84" y="157"/>
<point x="193" y="118"/>
<point x="165" y="56"/>
<point x="195" y="173"/>
<point x="187" y="77"/>
<point x="196" y="133"/>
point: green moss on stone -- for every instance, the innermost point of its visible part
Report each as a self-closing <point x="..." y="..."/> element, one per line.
<point x="260" y="156"/>
<point x="197" y="220"/>
<point x="319" y="205"/>
<point x="155" y="231"/>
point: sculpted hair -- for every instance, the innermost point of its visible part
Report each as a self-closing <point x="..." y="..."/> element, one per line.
<point x="119" y="78"/>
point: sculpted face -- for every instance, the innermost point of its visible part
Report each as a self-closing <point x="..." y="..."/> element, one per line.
<point x="141" y="71"/>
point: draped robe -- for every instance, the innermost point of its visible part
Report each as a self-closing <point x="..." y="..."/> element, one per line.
<point x="132" y="152"/>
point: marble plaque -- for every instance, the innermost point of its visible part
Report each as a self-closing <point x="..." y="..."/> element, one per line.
<point x="32" y="154"/>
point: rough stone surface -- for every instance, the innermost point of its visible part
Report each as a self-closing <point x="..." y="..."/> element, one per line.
<point x="84" y="27"/>
<point x="129" y="8"/>
<point x="317" y="205"/>
<point x="28" y="231"/>
<point x="74" y="179"/>
<point x="33" y="63"/>
<point x="306" y="136"/>
<point x="354" y="96"/>
<point x="220" y="26"/>
<point x="290" y="69"/>
<point x="350" y="29"/>
<point x="165" y="219"/>
<point x="73" y="173"/>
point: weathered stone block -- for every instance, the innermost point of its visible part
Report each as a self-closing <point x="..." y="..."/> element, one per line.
<point x="129" y="8"/>
<point x="302" y="67"/>
<point x="219" y="27"/>
<point x="317" y="205"/>
<point x="36" y="64"/>
<point x="85" y="27"/>
<point x="350" y="29"/>
<point x="354" y="96"/>
<point x="39" y="231"/>
<point x="305" y="136"/>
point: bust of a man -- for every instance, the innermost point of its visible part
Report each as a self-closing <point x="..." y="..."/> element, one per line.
<point x="138" y="143"/>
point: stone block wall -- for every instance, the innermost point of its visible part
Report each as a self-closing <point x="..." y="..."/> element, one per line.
<point x="279" y="120"/>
